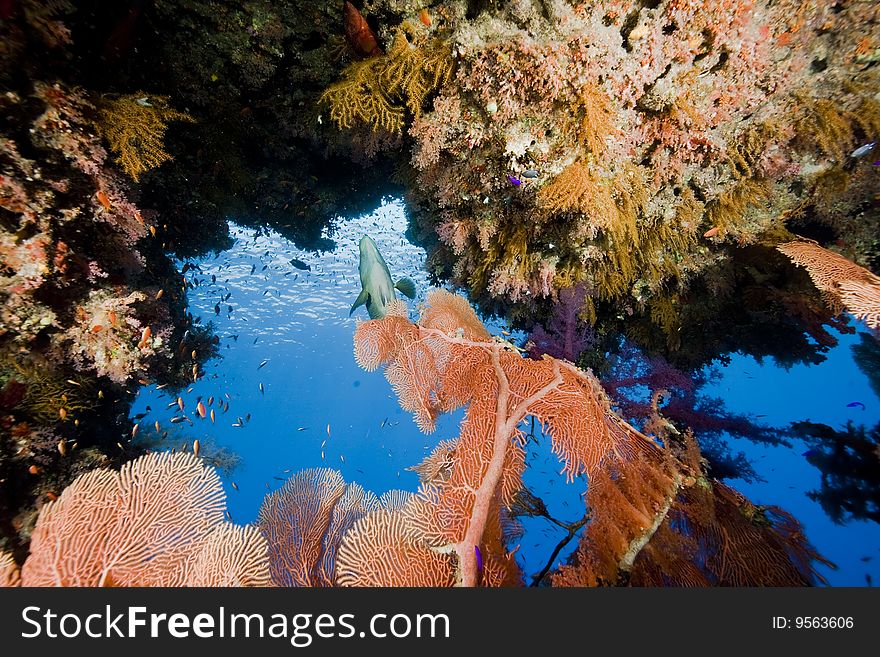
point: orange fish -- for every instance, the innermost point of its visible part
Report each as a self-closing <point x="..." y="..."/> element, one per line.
<point x="62" y="447"/>
<point x="712" y="232"/>
<point x="62" y="413"/>
<point x="425" y="17"/>
<point x="157" y="426"/>
<point x="34" y="470"/>
<point x="159" y="294"/>
<point x="212" y="416"/>
<point x="196" y="447"/>
<point x="144" y="337"/>
<point x="113" y="318"/>
<point x="153" y="231"/>
<point x="180" y="403"/>
<point x="359" y="34"/>
<point x="137" y="215"/>
<point x="102" y="197"/>
<point x="201" y="409"/>
<point x="52" y="496"/>
<point x="97" y="328"/>
<point x="134" y="429"/>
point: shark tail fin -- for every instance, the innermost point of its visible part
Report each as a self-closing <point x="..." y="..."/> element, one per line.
<point x="406" y="287"/>
<point x="363" y="297"/>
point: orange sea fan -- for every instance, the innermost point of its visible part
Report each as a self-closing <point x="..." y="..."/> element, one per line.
<point x="156" y="522"/>
<point x="304" y="522"/>
<point x="9" y="573"/>
<point x="843" y="283"/>
<point x="449" y="360"/>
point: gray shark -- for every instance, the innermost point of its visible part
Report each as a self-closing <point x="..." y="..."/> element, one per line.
<point x="377" y="290"/>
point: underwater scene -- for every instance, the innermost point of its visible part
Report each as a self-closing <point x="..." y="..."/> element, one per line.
<point x="537" y="293"/>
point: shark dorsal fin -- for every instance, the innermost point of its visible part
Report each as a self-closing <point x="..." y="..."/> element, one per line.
<point x="406" y="287"/>
<point x="363" y="297"/>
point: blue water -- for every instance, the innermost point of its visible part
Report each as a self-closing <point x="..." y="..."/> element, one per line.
<point x="317" y="408"/>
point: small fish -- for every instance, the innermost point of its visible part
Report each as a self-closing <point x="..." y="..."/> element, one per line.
<point x="35" y="470"/>
<point x="201" y="409"/>
<point x="301" y="428"/>
<point x="863" y="150"/>
<point x="180" y="403"/>
<point x="516" y="182"/>
<point x="145" y="335"/>
<point x="211" y="400"/>
<point x="97" y="328"/>
<point x="105" y="201"/>
<point x="263" y="364"/>
<point x="62" y="413"/>
<point x="196" y="447"/>
<point x="253" y="268"/>
<point x="530" y="173"/>
<point x="328" y="429"/>
<point x="159" y="294"/>
<point x="712" y="232"/>
<point x="262" y="389"/>
<point x="134" y="429"/>
<point x="855" y="404"/>
<point x="234" y="485"/>
<point x="299" y="264"/>
<point x="157" y="426"/>
<point x="216" y="308"/>
<point x="425" y="17"/>
<point x="212" y="416"/>
<point x="62" y="447"/>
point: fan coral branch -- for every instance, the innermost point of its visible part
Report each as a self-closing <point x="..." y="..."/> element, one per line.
<point x="843" y="283"/>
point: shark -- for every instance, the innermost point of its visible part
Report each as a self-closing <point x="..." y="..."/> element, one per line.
<point x="377" y="289"/>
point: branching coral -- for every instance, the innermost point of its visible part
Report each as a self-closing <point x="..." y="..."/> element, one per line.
<point x="379" y="91"/>
<point x="135" y="126"/>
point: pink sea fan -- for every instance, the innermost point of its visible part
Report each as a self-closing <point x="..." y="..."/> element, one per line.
<point x="156" y="522"/>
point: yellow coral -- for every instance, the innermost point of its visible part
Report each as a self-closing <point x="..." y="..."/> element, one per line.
<point x="578" y="188"/>
<point x="377" y="91"/>
<point x="135" y="127"/>
<point x="594" y="119"/>
<point x="50" y="397"/>
<point x="726" y="213"/>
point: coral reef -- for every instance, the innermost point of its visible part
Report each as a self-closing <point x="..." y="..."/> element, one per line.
<point x="635" y="147"/>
